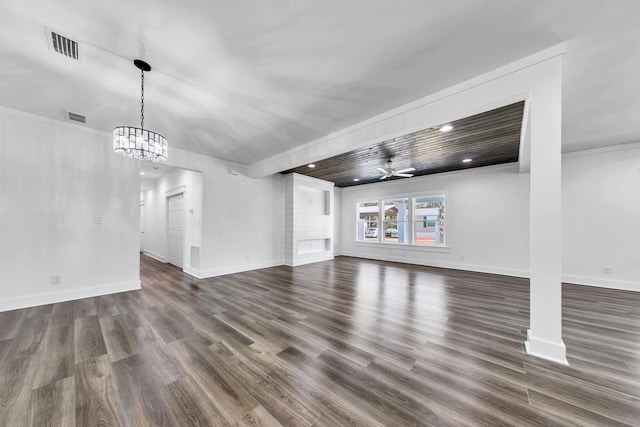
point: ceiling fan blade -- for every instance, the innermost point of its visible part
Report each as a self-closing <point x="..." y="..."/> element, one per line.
<point x="384" y="171"/>
<point x="405" y="170"/>
<point x="404" y="175"/>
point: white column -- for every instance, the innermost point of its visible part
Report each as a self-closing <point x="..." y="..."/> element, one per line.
<point x="544" y="338"/>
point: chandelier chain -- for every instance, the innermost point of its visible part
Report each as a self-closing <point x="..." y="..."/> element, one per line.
<point x="142" y="100"/>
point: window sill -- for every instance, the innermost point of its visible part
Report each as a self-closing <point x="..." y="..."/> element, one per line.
<point x="425" y="248"/>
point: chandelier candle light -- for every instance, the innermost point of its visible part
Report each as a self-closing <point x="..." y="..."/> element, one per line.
<point x="140" y="143"/>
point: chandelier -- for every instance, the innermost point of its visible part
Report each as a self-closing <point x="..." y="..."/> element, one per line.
<point x="140" y="143"/>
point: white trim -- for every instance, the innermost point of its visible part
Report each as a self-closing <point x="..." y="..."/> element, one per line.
<point x="193" y="272"/>
<point x="440" y="264"/>
<point x="67" y="295"/>
<point x="554" y="351"/>
<point x="624" y="285"/>
<point x="203" y="274"/>
<point x="155" y="256"/>
<point x="175" y="191"/>
<point x="600" y="150"/>
<point x="54" y="122"/>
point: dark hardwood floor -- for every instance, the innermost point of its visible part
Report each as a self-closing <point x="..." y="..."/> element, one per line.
<point x="348" y="342"/>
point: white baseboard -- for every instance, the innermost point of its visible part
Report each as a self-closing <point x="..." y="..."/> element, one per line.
<point x="625" y="285"/>
<point x="193" y="272"/>
<point x="452" y="265"/>
<point x="67" y="295"/>
<point x="154" y="255"/>
<point x="203" y="274"/>
<point x="556" y="352"/>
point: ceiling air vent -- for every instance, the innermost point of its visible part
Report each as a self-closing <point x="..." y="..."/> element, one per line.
<point x="75" y="117"/>
<point x="62" y="45"/>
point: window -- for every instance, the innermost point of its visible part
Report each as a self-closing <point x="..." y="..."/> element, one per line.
<point x="397" y="220"/>
<point x="367" y="229"/>
<point x="396" y="213"/>
<point x="429" y="220"/>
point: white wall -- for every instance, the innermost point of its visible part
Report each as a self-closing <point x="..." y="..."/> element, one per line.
<point x="487" y="220"/>
<point x="55" y="179"/>
<point x="242" y="218"/>
<point x="601" y="217"/>
<point x="155" y="209"/>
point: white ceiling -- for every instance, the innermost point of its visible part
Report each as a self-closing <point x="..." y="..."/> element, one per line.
<point x="245" y="80"/>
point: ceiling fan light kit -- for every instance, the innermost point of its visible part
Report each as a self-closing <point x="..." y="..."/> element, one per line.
<point x="140" y="143"/>
<point x="389" y="172"/>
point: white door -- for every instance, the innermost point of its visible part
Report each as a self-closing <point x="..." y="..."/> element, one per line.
<point x="175" y="229"/>
<point x="141" y="227"/>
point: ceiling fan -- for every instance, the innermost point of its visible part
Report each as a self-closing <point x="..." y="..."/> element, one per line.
<point x="389" y="171"/>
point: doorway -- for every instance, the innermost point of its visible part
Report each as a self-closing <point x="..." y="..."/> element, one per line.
<point x="175" y="229"/>
<point x="142" y="217"/>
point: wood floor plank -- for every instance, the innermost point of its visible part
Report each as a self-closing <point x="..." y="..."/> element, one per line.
<point x="11" y="323"/>
<point x="258" y="417"/>
<point x="89" y="341"/>
<point x="28" y="339"/>
<point x="232" y="397"/>
<point x="292" y="397"/>
<point x="84" y="308"/>
<point x="55" y="357"/>
<point x="99" y="409"/>
<point x="185" y="399"/>
<point x="119" y="340"/>
<point x="16" y="384"/>
<point x="63" y="314"/>
<point x="139" y="393"/>
<point x="570" y="413"/>
<point x="344" y="342"/>
<point x="611" y="404"/>
<point x="53" y="404"/>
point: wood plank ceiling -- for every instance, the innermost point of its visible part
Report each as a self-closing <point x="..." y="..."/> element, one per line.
<point x="489" y="138"/>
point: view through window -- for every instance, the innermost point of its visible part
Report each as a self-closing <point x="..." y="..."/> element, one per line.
<point x="429" y="220"/>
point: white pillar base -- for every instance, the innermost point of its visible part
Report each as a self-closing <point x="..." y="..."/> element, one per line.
<point x="554" y="351"/>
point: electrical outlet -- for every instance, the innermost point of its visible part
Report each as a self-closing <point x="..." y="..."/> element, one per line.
<point x="56" y="280"/>
<point x="98" y="220"/>
<point x="607" y="270"/>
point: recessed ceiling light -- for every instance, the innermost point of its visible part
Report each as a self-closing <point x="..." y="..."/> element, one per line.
<point x="356" y="179"/>
<point x="311" y="165"/>
<point x="466" y="160"/>
<point x="141" y="173"/>
<point x="446" y="128"/>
